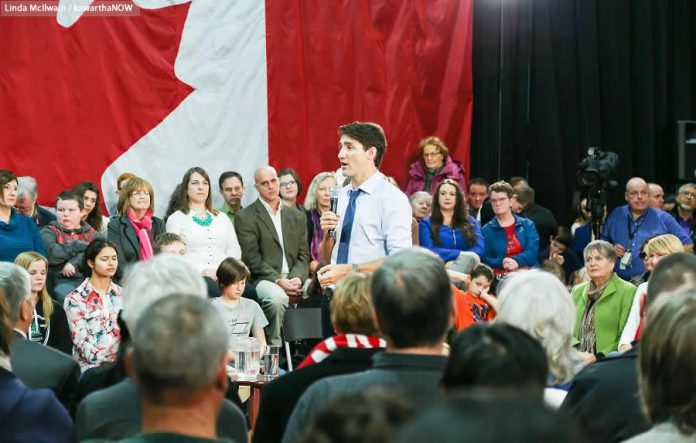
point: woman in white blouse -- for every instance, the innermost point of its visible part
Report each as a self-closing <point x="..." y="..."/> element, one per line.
<point x="209" y="234"/>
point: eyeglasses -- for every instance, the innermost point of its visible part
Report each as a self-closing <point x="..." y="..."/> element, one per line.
<point x="139" y="194"/>
<point x="287" y="184"/>
<point x="643" y="256"/>
<point x="688" y="194"/>
<point x="431" y="154"/>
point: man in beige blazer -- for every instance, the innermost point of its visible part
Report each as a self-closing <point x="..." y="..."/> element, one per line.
<point x="273" y="238"/>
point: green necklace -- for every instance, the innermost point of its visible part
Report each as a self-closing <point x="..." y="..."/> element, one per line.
<point x="203" y="221"/>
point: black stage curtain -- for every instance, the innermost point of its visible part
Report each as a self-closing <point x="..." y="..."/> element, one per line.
<point x="570" y="74"/>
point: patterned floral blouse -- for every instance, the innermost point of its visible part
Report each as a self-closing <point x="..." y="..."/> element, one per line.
<point x="93" y="326"/>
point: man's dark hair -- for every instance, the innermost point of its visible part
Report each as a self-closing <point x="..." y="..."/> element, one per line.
<point x="478" y="181"/>
<point x="372" y="416"/>
<point x="412" y="298"/>
<point x="369" y="134"/>
<point x="491" y="418"/>
<point x="496" y="356"/>
<point x="516" y="180"/>
<point x="564" y="237"/>
<point x="671" y="273"/>
<point x="71" y="195"/>
<point x="229" y="174"/>
<point x="525" y="196"/>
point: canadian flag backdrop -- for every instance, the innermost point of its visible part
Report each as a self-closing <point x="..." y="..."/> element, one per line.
<point x="227" y="85"/>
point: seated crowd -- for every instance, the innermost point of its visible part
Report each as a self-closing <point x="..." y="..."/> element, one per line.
<point x="121" y="328"/>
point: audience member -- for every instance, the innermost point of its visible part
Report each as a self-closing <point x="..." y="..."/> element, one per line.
<point x="667" y="369"/>
<point x="433" y="167"/>
<point x="374" y="416"/>
<point x="475" y="305"/>
<point x="583" y="231"/>
<point x="491" y="418"/>
<point x="560" y="251"/>
<point x="543" y="219"/>
<point x="210" y="236"/>
<point x="37" y="366"/>
<point x="18" y="233"/>
<point x="26" y="204"/>
<point x="232" y="190"/>
<point x="477" y="195"/>
<point x="656" y="195"/>
<point x="91" y="210"/>
<point x="135" y="229"/>
<point x="496" y="357"/>
<point x="656" y="249"/>
<point x="511" y="242"/>
<point x="174" y="202"/>
<point x="413" y="311"/>
<point x="348" y="352"/>
<point x="49" y="325"/>
<point x="115" y="412"/>
<point x="375" y="217"/>
<point x="629" y="225"/>
<point x="318" y="201"/>
<point x="670" y="202"/>
<point x="583" y="215"/>
<point x="647" y="262"/>
<point x="554" y="269"/>
<point x="603" y="303"/>
<point x="241" y="316"/>
<point x="450" y="231"/>
<point x="289" y="188"/>
<point x="169" y="243"/>
<point x="92" y="308"/>
<point x="518" y="182"/>
<point x="351" y="318"/>
<point x="421" y="204"/>
<point x="683" y="211"/>
<point x="274" y="246"/>
<point x="66" y="240"/>
<point x="539" y="304"/>
<point x="26" y="414"/>
<point x="604" y="396"/>
<point x="181" y="397"/>
<point x="121" y="181"/>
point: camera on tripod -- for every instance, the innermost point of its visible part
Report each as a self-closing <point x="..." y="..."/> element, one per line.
<point x="595" y="174"/>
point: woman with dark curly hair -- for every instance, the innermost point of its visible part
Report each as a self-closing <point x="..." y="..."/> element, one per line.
<point x="450" y="230"/>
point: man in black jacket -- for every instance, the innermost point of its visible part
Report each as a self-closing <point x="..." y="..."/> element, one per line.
<point x="543" y="219"/>
<point x="38" y="366"/>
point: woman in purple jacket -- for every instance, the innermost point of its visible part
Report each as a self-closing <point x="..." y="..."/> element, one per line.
<point x="450" y="230"/>
<point x="434" y="166"/>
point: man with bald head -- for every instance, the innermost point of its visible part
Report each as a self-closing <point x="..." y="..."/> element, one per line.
<point x="657" y="195"/>
<point x="628" y="226"/>
<point x="273" y="238"/>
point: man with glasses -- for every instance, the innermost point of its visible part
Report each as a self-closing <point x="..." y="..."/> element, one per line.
<point x="628" y="226"/>
<point x="683" y="211"/>
<point x="273" y="238"/>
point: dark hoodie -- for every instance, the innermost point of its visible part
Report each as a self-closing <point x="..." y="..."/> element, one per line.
<point x="66" y="246"/>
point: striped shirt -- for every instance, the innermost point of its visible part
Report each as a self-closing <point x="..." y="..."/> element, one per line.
<point x="622" y="229"/>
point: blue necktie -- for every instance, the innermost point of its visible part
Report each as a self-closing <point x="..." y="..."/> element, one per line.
<point x="342" y="256"/>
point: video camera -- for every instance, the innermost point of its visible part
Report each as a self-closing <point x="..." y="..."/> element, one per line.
<point x="594" y="176"/>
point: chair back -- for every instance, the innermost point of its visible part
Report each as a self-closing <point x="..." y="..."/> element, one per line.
<point x="302" y="324"/>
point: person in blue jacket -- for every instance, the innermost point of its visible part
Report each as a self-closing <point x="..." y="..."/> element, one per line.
<point x="450" y="230"/>
<point x="511" y="242"/>
<point x="18" y="233"/>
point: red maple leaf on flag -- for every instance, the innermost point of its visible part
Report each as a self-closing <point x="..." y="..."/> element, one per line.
<point x="74" y="99"/>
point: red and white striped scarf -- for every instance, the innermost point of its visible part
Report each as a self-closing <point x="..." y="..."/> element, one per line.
<point x="324" y="349"/>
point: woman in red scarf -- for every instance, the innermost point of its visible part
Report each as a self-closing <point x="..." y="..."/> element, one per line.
<point x="134" y="230"/>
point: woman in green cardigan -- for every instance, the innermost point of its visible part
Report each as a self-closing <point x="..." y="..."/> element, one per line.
<point x="603" y="303"/>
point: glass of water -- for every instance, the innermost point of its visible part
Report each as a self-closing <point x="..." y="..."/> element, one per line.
<point x="269" y="362"/>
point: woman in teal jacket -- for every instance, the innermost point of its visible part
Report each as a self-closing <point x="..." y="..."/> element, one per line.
<point x="603" y="303"/>
<point x="511" y="242"/>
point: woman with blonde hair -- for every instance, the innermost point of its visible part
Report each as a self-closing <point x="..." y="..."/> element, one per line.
<point x="134" y="230"/>
<point x="655" y="250"/>
<point x="49" y="325"/>
<point x="351" y="318"/>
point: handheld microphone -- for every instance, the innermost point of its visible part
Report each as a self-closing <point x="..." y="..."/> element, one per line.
<point x="334" y="208"/>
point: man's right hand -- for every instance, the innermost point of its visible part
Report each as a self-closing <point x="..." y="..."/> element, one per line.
<point x="328" y="220"/>
<point x="289" y="287"/>
<point x="620" y="250"/>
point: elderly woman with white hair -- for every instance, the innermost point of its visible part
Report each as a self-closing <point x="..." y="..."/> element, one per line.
<point x="539" y="304"/>
<point x="603" y="303"/>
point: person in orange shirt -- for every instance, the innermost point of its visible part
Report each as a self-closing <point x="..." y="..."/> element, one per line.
<point x="475" y="305"/>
